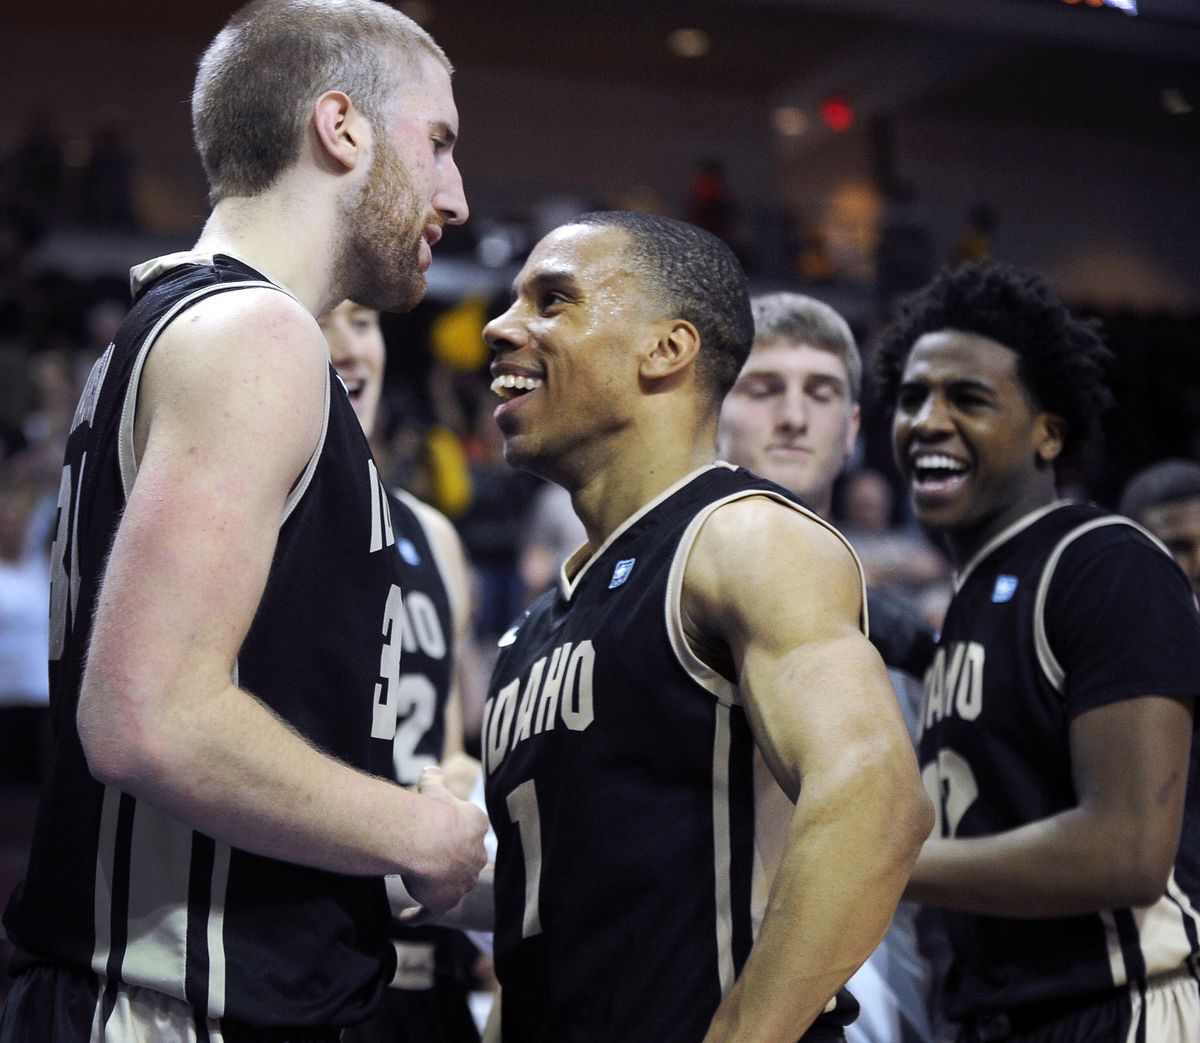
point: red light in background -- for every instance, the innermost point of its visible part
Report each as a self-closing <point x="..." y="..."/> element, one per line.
<point x="837" y="114"/>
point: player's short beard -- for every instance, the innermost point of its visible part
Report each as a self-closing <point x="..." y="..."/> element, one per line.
<point x="378" y="259"/>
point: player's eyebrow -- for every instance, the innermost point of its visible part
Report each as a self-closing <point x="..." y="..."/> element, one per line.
<point x="540" y="282"/>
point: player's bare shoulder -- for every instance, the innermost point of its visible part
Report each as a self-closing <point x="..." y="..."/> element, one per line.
<point x="757" y="557"/>
<point x="255" y="358"/>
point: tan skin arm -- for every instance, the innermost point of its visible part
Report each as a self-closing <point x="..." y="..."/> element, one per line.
<point x="826" y="722"/>
<point x="1129" y="761"/>
<point x="230" y="410"/>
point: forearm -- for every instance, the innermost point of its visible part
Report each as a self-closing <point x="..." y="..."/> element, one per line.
<point x="222" y="762"/>
<point x="849" y="849"/>
<point x="1071" y="863"/>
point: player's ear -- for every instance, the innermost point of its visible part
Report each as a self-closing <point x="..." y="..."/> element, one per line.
<point x="1050" y="434"/>
<point x="342" y="133"/>
<point x="675" y="349"/>
<point x="852" y="429"/>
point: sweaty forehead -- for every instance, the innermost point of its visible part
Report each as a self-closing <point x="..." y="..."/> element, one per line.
<point x="586" y="254"/>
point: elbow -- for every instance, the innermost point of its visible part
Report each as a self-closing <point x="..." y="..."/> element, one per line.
<point x="1143" y="881"/>
<point x="917" y="821"/>
<point x="909" y="810"/>
<point x="115" y="741"/>
<point x="887" y="792"/>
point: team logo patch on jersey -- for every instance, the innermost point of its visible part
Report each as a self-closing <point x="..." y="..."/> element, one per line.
<point x="621" y="572"/>
<point x="1005" y="588"/>
<point x="510" y="635"/>
<point x="408" y="551"/>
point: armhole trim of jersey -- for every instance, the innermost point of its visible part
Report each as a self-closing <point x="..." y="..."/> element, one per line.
<point x="126" y="453"/>
<point x="1047" y="660"/>
<point x="310" y="468"/>
<point x="722" y="688"/>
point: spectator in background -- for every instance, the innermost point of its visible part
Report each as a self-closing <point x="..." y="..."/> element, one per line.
<point x="493" y="524"/>
<point x="792" y="417"/>
<point x="904" y="254"/>
<point x="106" y="189"/>
<point x="24" y="689"/>
<point x="31" y="175"/>
<point x="1165" y="498"/>
<point x="894" y="559"/>
<point x="976" y="242"/>
<point x="710" y="203"/>
<point x="553" y="533"/>
<point x="24" y="627"/>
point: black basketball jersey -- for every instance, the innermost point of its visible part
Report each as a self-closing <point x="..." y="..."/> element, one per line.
<point x="117" y="886"/>
<point x="424" y="955"/>
<point x="426" y="666"/>
<point x="1068" y="610"/>
<point x="619" y="784"/>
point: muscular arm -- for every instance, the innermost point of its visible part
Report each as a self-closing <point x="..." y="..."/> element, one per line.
<point x="1129" y="761"/>
<point x="230" y="410"/>
<point x="826" y="722"/>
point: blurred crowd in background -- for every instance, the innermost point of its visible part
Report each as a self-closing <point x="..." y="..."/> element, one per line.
<point x="437" y="438"/>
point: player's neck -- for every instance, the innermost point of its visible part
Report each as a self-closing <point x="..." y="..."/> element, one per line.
<point x="266" y="234"/>
<point x="627" y="482"/>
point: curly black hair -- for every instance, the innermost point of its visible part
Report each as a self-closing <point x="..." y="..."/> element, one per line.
<point x="1062" y="360"/>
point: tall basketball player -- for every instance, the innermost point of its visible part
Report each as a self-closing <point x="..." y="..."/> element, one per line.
<point x="708" y="615"/>
<point x="1057" y="731"/>
<point x="226" y="609"/>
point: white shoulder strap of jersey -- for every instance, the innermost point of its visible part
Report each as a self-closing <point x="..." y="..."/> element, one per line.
<point x="1047" y="660"/>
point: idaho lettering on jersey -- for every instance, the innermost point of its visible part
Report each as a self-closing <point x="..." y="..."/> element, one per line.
<point x="381" y="515"/>
<point x="954" y="683"/>
<point x="559" y="686"/>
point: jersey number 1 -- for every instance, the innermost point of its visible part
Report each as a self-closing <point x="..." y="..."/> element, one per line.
<point x="523" y="809"/>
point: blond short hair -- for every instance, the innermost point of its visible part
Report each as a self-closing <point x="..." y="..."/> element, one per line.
<point x="798" y="319"/>
<point x="262" y="74"/>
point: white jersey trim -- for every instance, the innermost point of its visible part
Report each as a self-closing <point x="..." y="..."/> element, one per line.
<point x="722" y="850"/>
<point x="1003" y="536"/>
<point x="1051" y="668"/>
<point x="147" y="272"/>
<point x="570" y="584"/>
<point x="726" y="691"/>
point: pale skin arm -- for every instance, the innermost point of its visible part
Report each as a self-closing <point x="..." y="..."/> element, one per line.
<point x="229" y="412"/>
<point x="1129" y="761"/>
<point x="826" y="722"/>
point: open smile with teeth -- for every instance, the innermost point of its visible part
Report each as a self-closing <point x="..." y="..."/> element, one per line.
<point x="510" y="386"/>
<point x="937" y="472"/>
